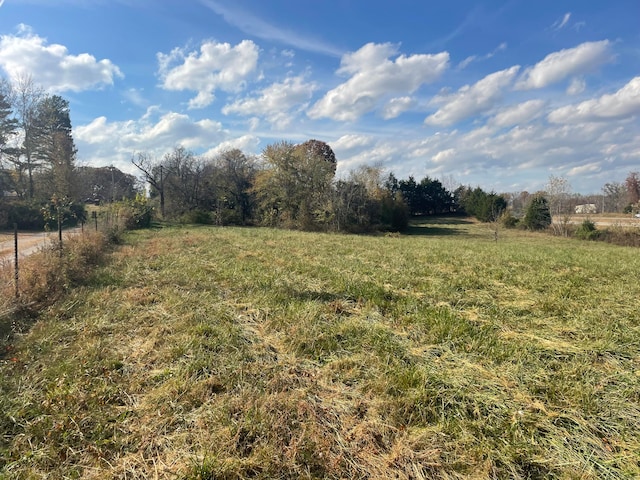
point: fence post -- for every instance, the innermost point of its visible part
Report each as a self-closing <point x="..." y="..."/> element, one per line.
<point x="15" y="272"/>
<point x="60" y="231"/>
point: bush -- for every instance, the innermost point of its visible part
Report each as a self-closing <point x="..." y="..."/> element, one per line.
<point x="587" y="231"/>
<point x="394" y="214"/>
<point x="71" y="214"/>
<point x="136" y="213"/>
<point x="27" y="215"/>
<point x="198" y="217"/>
<point x="507" y="220"/>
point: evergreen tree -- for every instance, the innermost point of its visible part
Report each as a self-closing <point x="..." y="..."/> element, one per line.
<point x="8" y="124"/>
<point x="55" y="148"/>
<point x="538" y="215"/>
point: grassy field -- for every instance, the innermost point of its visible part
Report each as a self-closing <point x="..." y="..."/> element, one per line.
<point x="204" y="352"/>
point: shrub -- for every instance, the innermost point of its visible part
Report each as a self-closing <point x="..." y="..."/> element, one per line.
<point x="587" y="230"/>
<point x="394" y="214"/>
<point x="507" y="220"/>
<point x="136" y="213"/>
<point x="562" y="226"/>
<point x="71" y="214"/>
<point x="27" y="215"/>
<point x="198" y="217"/>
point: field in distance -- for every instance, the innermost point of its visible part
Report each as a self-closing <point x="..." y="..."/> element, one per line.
<point x="205" y="352"/>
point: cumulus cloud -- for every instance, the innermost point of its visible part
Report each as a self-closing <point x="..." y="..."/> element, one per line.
<point x="496" y="158"/>
<point x="374" y="76"/>
<point x="622" y="104"/>
<point x="246" y="143"/>
<point x="562" y="64"/>
<point x="51" y="65"/>
<point x="214" y="66"/>
<point x="471" y="99"/>
<point x="101" y="142"/>
<point x="516" y="114"/>
<point x="276" y="102"/>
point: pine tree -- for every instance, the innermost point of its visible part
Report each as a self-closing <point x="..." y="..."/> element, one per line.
<point x="55" y="147"/>
<point x="538" y="215"/>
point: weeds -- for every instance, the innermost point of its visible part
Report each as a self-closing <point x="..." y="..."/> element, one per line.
<point x="211" y="352"/>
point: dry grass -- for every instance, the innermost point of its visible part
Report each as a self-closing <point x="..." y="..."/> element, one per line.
<point x="255" y="353"/>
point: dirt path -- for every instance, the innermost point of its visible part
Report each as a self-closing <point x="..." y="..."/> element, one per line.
<point x="601" y="221"/>
<point x="29" y="242"/>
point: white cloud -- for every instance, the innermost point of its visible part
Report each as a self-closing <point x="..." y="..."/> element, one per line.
<point x="559" y="24"/>
<point x="444" y="155"/>
<point x="215" y="66"/>
<point x="351" y="142"/>
<point x="516" y="114"/>
<point x="135" y="96"/>
<point x="276" y="102"/>
<point x="51" y="65"/>
<point x="396" y="106"/>
<point x="473" y="58"/>
<point x="471" y="100"/>
<point x="101" y="142"/>
<point x="577" y="86"/>
<point x="519" y="158"/>
<point x="562" y="64"/>
<point x="246" y="143"/>
<point x="467" y="61"/>
<point x="585" y="169"/>
<point x="374" y="76"/>
<point x="622" y="104"/>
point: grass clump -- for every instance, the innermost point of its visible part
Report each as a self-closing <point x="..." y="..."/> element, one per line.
<point x="205" y="352"/>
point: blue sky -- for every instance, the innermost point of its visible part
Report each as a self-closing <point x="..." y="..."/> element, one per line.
<point x="500" y="94"/>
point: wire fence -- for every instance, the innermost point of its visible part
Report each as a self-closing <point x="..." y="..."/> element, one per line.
<point x="17" y="245"/>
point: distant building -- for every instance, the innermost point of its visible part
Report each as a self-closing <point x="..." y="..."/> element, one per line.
<point x="587" y="208"/>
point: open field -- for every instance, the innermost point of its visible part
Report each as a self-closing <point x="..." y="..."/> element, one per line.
<point x="223" y="353"/>
<point x="602" y="220"/>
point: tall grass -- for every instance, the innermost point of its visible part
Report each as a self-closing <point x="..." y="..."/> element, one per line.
<point x="256" y="353"/>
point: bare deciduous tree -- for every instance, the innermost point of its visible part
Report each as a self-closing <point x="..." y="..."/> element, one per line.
<point x="558" y="190"/>
<point x="153" y="173"/>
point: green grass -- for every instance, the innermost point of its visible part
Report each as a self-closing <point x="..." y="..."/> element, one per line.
<point x="211" y="352"/>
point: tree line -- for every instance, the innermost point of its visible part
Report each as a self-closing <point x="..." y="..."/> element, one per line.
<point x="38" y="171"/>
<point x="289" y="185"/>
